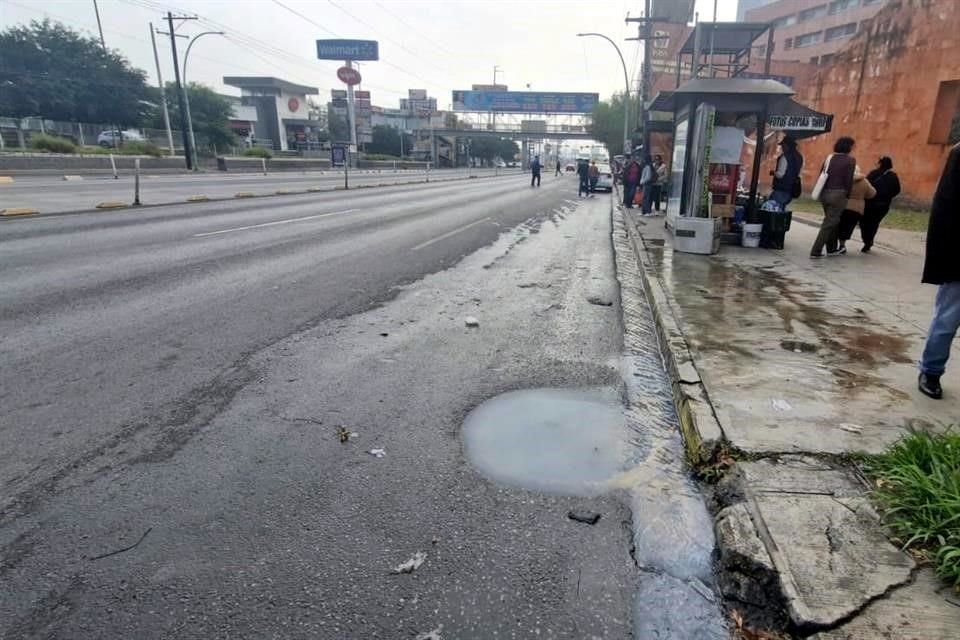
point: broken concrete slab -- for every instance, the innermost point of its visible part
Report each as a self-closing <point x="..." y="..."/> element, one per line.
<point x="827" y="546"/>
<point x="926" y="609"/>
<point x="747" y="574"/>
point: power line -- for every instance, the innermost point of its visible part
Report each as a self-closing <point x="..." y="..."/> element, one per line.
<point x="415" y="30"/>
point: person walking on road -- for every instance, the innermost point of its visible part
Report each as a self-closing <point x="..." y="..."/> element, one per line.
<point x="862" y="190"/>
<point x="887" y="185"/>
<point x="583" y="173"/>
<point x="648" y="178"/>
<point x="535" y="168"/>
<point x="661" y="181"/>
<point x="558" y="168"/>
<point x="839" y="167"/>
<point x="786" y="176"/>
<point x="630" y="177"/>
<point x="942" y="267"/>
<point x="594" y="175"/>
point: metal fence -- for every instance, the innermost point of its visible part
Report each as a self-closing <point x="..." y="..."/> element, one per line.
<point x="16" y="133"/>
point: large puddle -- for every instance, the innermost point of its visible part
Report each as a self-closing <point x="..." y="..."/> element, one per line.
<point x="552" y="440"/>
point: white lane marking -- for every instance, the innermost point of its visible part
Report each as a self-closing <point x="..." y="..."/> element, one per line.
<point x="270" y="224"/>
<point x="448" y="234"/>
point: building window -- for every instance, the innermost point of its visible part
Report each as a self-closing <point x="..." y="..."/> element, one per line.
<point x="808" y="39"/>
<point x="788" y="43"/>
<point x="843" y="31"/>
<point x="867" y="3"/>
<point x="785" y="21"/>
<point x="842" y="5"/>
<point x="826" y="59"/>
<point x="811" y="13"/>
<point x="945" y="126"/>
<point x="762" y="51"/>
<point x="814" y="60"/>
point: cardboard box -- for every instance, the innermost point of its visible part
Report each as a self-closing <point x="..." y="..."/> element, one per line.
<point x="723" y="210"/>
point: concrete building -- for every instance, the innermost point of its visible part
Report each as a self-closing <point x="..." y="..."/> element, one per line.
<point x="746" y="5"/>
<point x="895" y="88"/>
<point x="281" y="110"/>
<point x="813" y="30"/>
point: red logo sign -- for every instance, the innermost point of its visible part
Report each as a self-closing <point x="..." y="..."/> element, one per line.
<point x="293" y="104"/>
<point x="348" y="75"/>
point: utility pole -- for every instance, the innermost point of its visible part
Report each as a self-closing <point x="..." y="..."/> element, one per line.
<point x="163" y="92"/>
<point x="646" y="85"/>
<point x="103" y="43"/>
<point x="181" y="95"/>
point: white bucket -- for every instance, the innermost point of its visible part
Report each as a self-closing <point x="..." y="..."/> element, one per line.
<point x="751" y="235"/>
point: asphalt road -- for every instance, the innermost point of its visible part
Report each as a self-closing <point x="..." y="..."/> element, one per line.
<point x="175" y="380"/>
<point x="53" y="194"/>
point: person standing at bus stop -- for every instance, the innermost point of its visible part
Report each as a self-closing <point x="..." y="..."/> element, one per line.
<point x="631" y="179"/>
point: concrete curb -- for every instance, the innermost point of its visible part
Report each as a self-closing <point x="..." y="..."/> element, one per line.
<point x="19" y="211"/>
<point x="702" y="434"/>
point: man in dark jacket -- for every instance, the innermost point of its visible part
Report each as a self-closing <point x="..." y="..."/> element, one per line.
<point x="887" y="184"/>
<point x="942" y="267"/>
<point x="583" y="173"/>
<point x="535" y="168"/>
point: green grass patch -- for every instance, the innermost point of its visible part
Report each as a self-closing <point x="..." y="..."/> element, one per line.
<point x="53" y="144"/>
<point x="902" y="218"/>
<point x="258" y="152"/>
<point x="918" y="488"/>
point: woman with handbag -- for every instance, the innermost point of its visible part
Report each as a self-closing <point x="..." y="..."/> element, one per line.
<point x="832" y="190"/>
<point x="861" y="192"/>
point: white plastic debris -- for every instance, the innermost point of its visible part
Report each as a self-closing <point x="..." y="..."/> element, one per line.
<point x="377" y="453"/>
<point x="412" y="564"/>
<point x="470" y="321"/>
<point x="780" y="405"/>
<point x="852" y="428"/>
<point x="430" y="635"/>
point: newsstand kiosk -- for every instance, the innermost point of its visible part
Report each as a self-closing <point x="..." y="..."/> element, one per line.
<point x="713" y="119"/>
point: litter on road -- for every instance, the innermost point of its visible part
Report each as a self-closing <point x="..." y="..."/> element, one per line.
<point x="377" y="453"/>
<point x="412" y="564"/>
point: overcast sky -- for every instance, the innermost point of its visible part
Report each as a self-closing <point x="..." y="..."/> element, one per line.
<point x="438" y="45"/>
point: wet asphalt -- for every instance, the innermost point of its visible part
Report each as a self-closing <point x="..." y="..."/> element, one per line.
<point x="191" y="395"/>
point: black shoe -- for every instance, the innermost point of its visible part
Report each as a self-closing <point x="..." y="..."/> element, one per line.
<point x="838" y="252"/>
<point x="865" y="248"/>
<point x="929" y="386"/>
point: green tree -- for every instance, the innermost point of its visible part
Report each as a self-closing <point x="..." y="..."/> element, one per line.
<point x="50" y="70"/>
<point x="386" y="140"/>
<point x="607" y="125"/>
<point x="210" y="112"/>
<point x="507" y="149"/>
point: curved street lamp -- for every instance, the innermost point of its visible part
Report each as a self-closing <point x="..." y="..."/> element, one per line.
<point x="186" y="91"/>
<point x="626" y="86"/>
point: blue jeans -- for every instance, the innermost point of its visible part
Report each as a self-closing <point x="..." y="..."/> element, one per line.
<point x="781" y="197"/>
<point x="946" y="320"/>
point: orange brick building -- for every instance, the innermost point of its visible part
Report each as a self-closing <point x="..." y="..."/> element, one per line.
<point x="895" y="88"/>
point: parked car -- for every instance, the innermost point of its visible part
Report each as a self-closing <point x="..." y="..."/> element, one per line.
<point x="605" y="181"/>
<point x="106" y="138"/>
<point x="500" y="164"/>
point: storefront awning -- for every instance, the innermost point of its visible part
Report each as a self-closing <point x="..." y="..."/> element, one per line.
<point x="748" y="95"/>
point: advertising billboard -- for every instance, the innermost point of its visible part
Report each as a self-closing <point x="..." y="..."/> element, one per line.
<point x="524" y="102"/>
<point x="678" y="11"/>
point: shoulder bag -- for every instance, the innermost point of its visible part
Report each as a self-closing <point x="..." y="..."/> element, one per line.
<point x="822" y="179"/>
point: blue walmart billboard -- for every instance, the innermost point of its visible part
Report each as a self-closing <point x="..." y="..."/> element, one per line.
<point x="524" y="101"/>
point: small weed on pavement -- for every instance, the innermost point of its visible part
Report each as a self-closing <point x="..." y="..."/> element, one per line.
<point x="917" y="483"/>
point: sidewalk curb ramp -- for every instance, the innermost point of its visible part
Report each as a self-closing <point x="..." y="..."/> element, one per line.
<point x="799" y="545"/>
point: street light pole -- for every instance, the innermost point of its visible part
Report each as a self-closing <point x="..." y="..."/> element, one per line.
<point x="186" y="92"/>
<point x="626" y="86"/>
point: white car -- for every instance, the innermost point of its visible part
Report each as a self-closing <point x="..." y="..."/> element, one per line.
<point x="605" y="181"/>
<point x="106" y="138"/>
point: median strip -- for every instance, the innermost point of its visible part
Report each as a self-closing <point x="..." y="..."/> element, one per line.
<point x="245" y="194"/>
<point x="112" y="204"/>
<point x="199" y="198"/>
<point x="18" y="211"/>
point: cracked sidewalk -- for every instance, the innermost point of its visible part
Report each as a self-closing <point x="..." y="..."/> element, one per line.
<point x="796" y="363"/>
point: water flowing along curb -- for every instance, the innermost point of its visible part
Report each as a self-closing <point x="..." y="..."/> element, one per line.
<point x="702" y="434"/>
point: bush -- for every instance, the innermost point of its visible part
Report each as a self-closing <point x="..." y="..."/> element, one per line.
<point x="138" y="148"/>
<point x="257" y="152"/>
<point x="52" y="144"/>
<point x="380" y="156"/>
<point x="918" y="486"/>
